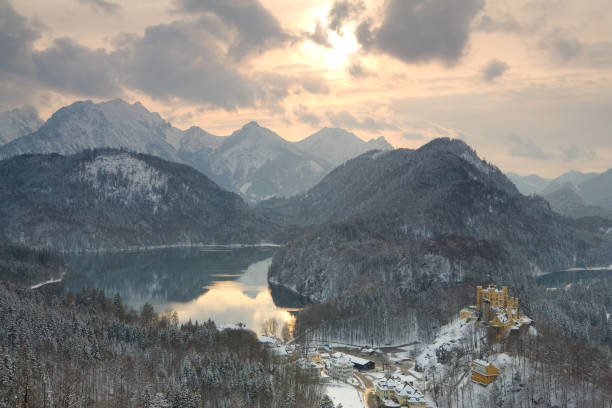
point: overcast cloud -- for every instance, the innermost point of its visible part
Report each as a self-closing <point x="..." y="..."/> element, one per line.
<point x="535" y="69"/>
<point x="420" y="31"/>
<point x="258" y="29"/>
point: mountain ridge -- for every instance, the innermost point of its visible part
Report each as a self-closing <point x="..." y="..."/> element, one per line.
<point x="404" y="197"/>
<point x="274" y="167"/>
<point x="114" y="199"/>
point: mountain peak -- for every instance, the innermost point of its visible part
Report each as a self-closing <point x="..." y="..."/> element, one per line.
<point x="380" y="143"/>
<point x="336" y="145"/>
<point x="18" y="122"/>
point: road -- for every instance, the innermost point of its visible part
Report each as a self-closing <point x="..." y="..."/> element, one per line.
<point x="367" y="393"/>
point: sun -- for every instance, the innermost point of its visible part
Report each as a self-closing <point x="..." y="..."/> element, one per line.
<point x="342" y="46"/>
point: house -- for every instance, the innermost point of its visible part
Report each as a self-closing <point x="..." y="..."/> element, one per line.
<point x="408" y="396"/>
<point x="309" y="369"/>
<point x="339" y="368"/>
<point x="279" y="353"/>
<point x="361" y="364"/>
<point x="484" y="373"/>
<point x="393" y="392"/>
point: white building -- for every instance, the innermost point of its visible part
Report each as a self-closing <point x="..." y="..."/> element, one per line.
<point x="309" y="369"/>
<point x="339" y="368"/>
<point x="393" y="392"/>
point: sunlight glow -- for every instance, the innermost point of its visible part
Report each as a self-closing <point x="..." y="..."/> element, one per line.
<point x="342" y="46"/>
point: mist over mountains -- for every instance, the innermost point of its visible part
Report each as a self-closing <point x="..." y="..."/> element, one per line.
<point x="573" y="194"/>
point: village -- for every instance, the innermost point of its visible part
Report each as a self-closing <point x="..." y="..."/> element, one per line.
<point x="409" y="375"/>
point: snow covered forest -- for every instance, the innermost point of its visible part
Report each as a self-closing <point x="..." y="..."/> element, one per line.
<point x="86" y="350"/>
<point x="564" y="361"/>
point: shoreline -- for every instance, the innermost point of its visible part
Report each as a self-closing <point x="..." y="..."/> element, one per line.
<point x="170" y="246"/>
<point x="48" y="282"/>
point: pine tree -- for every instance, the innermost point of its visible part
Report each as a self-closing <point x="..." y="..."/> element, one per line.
<point x="326" y="402"/>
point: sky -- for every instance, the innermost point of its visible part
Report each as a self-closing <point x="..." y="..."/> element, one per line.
<point x="527" y="83"/>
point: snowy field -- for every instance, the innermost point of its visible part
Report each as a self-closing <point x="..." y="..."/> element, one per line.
<point x="345" y="394"/>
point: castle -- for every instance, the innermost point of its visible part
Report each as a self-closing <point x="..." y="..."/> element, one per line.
<point x="495" y="309"/>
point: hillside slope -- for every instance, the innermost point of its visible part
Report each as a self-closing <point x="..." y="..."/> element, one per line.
<point x="407" y="198"/>
<point x="114" y="199"/>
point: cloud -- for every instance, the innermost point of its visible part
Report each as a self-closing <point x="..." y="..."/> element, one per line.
<point x="357" y="70"/>
<point x="506" y="24"/>
<point x="561" y="46"/>
<point x="304" y="115"/>
<point x="102" y="5"/>
<point x="410" y="136"/>
<point x="313" y="83"/>
<point x="17" y="36"/>
<point x="345" y="119"/>
<point x="69" y="67"/>
<point x="419" y="31"/>
<point x="575" y="153"/>
<point x="342" y="11"/>
<point x="522" y="147"/>
<point x="494" y="69"/>
<point x="258" y="29"/>
<point x="180" y="60"/>
<point x="319" y="36"/>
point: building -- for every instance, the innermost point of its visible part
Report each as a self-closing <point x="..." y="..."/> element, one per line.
<point x="339" y="368"/>
<point x="393" y="392"/>
<point x="483" y="372"/>
<point x="496" y="310"/>
<point x="309" y="369"/>
<point x="361" y="364"/>
<point x="469" y="313"/>
<point x="280" y="354"/>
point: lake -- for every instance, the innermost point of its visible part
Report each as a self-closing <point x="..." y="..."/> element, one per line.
<point x="562" y="278"/>
<point x="227" y="285"/>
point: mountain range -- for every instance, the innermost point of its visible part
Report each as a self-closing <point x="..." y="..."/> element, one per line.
<point x="253" y="161"/>
<point x="573" y="194"/>
<point x="113" y="199"/>
<point x="413" y="217"/>
<point x="17" y="123"/>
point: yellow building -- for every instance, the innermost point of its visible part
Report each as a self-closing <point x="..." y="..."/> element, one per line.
<point x="498" y="311"/>
<point x="468" y="313"/>
<point x="495" y="297"/>
<point x="484" y="373"/>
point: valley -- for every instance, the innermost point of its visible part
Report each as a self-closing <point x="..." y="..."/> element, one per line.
<point x="238" y="273"/>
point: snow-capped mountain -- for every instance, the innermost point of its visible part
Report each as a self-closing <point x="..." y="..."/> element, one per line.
<point x="87" y="125"/>
<point x="254" y="161"/>
<point x="337" y="145"/>
<point x="527" y="185"/>
<point x="258" y="163"/>
<point x="18" y="122"/>
<point x="573" y="193"/>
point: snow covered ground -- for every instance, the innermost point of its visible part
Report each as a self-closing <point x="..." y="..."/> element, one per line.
<point x="345" y="394"/>
<point x="38" y="285"/>
<point x="455" y="334"/>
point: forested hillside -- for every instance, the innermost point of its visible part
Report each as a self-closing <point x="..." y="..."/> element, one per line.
<point x="105" y="199"/>
<point x="26" y="267"/>
<point x="85" y="350"/>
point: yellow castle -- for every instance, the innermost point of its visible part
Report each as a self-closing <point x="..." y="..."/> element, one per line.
<point x="495" y="309"/>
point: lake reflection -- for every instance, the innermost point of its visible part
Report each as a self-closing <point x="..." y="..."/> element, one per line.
<point x="227" y="286"/>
